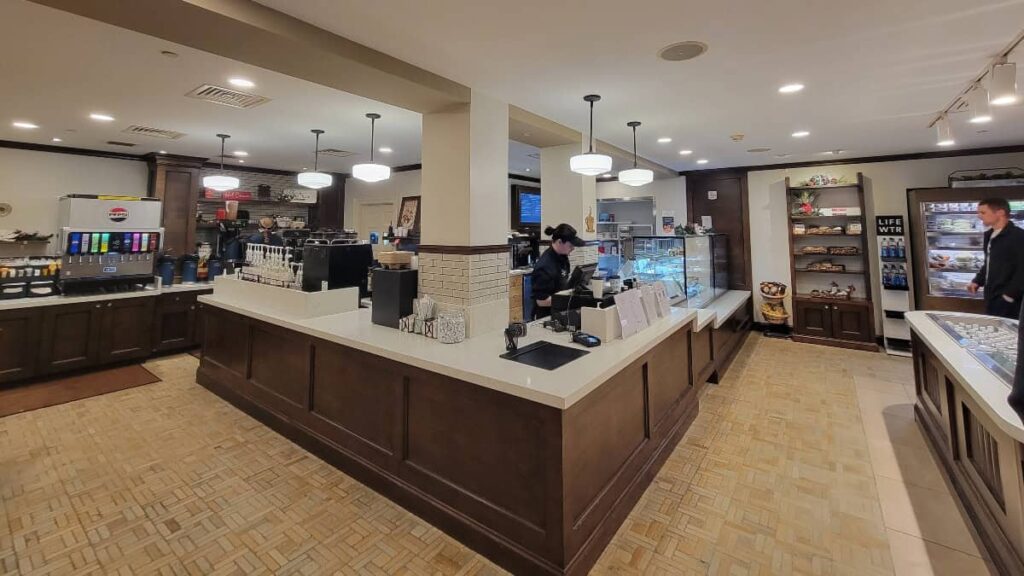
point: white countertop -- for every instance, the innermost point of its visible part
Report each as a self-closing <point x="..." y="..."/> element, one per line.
<point x="984" y="387"/>
<point x="723" y="307"/>
<point x="18" y="303"/>
<point x="477" y="359"/>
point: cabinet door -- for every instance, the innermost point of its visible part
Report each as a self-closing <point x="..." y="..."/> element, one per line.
<point x="19" y="343"/>
<point x="70" y="336"/>
<point x="851" y="322"/>
<point x="127" y="330"/>
<point x="174" y="325"/>
<point x="813" y="318"/>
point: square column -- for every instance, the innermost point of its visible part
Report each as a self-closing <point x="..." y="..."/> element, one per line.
<point x="569" y="197"/>
<point x="464" y="255"/>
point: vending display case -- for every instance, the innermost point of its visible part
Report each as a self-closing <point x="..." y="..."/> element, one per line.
<point x="947" y="239"/>
<point x="694" y="269"/>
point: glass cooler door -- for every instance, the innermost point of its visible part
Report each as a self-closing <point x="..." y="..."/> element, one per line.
<point x="661" y="258"/>
<point x="699" y="281"/>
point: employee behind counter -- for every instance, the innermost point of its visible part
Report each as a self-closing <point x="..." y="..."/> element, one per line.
<point x="551" y="272"/>
<point x="266" y="234"/>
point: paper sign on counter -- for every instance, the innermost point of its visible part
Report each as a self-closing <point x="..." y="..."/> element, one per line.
<point x="661" y="296"/>
<point x="650" y="303"/>
<point x="631" y="312"/>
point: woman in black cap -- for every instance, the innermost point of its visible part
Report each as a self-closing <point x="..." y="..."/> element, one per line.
<point x="551" y="272"/>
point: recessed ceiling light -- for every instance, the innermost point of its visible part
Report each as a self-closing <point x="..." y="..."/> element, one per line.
<point x="241" y="82"/>
<point x="801" y="134"/>
<point x="702" y="161"/>
<point x="606" y="175"/>
<point x="685" y="152"/>
<point x="163" y="151"/>
<point x="241" y="153"/>
<point x="56" y="140"/>
<point x="101" y="117"/>
<point x="790" y="88"/>
<point x="664" y="140"/>
<point x="835" y="152"/>
<point x="240" y="161"/>
<point x="24" y="125"/>
<point x="384" y="150"/>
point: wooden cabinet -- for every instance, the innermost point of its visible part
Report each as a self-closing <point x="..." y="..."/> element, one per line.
<point x="836" y="320"/>
<point x="70" y="336"/>
<point x="19" y="341"/>
<point x="174" y="327"/>
<point x="126" y="330"/>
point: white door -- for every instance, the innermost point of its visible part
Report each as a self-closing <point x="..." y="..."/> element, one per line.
<point x="375" y="218"/>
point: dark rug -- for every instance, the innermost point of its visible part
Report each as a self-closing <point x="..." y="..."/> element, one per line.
<point x="33" y="396"/>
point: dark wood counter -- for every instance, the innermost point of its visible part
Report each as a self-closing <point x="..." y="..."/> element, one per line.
<point x="538" y="489"/>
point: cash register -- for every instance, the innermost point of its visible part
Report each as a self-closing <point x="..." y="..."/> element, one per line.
<point x="566" y="304"/>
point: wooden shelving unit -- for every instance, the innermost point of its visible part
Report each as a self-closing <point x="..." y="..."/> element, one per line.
<point x="834" y="322"/>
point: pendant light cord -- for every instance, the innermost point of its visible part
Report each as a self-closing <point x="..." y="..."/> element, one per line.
<point x="316" y="153"/>
<point x="634" y="146"/>
<point x="591" y="141"/>
<point x="222" y="139"/>
<point x="373" y="125"/>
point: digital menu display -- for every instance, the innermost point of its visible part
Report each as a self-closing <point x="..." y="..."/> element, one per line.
<point x="529" y="208"/>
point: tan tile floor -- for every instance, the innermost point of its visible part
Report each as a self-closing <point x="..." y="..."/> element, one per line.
<point x="805" y="460"/>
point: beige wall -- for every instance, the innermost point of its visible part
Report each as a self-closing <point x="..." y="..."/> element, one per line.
<point x="565" y="195"/>
<point x="669" y="194"/>
<point x="31" y="182"/>
<point x="392" y="190"/>
<point x="885" y="186"/>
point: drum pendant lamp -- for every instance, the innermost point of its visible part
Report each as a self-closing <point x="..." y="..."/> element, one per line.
<point x="635" y="176"/>
<point x="371" y="172"/>
<point x="315" y="179"/>
<point x="590" y="164"/>
<point x="221" y="182"/>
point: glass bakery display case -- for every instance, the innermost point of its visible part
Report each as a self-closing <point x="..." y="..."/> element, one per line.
<point x="694" y="269"/>
<point x="992" y="341"/>
<point x="947" y="239"/>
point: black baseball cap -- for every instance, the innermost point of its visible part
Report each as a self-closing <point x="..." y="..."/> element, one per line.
<point x="565" y="233"/>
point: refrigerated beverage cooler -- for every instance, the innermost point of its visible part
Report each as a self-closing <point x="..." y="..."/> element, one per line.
<point x="947" y="238"/>
<point x="108" y="242"/>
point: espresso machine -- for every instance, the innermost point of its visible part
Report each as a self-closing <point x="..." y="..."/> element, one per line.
<point x="108" y="243"/>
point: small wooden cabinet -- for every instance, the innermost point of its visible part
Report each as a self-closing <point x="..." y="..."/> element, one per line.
<point x="70" y="337"/>
<point x="19" y="340"/>
<point x="836" y="320"/>
<point x="126" y="331"/>
<point x="175" y="324"/>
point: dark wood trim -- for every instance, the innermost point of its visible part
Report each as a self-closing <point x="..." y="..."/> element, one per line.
<point x="745" y="216"/>
<point x="407" y="168"/>
<point x="866" y="159"/>
<point x="849" y="344"/>
<point x="31" y="146"/>
<point x="247" y="168"/>
<point x="532" y="179"/>
<point x="440" y="249"/>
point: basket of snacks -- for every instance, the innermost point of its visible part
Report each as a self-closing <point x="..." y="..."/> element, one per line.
<point x="773" y="291"/>
<point x="774" y="313"/>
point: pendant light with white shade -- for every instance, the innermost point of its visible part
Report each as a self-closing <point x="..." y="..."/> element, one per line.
<point x="977" y="105"/>
<point x="635" y="176"/>
<point x="945" y="132"/>
<point x="590" y="164"/>
<point x="371" y="172"/>
<point x="221" y="182"/>
<point x="315" y="179"/>
<point x="1002" y="86"/>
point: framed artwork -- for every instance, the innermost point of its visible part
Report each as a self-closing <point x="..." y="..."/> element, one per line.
<point x="409" y="215"/>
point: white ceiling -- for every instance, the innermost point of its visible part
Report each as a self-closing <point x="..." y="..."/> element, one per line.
<point x="876" y="71"/>
<point x="58" y="68"/>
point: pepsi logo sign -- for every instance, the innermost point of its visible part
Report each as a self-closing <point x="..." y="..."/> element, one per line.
<point x="118" y="214"/>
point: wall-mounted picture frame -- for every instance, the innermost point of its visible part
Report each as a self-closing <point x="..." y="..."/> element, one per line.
<point x="409" y="215"/>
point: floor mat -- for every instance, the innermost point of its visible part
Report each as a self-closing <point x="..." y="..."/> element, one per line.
<point x="68" y="389"/>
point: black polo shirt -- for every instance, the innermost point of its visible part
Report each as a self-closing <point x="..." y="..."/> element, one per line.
<point x="550" y="274"/>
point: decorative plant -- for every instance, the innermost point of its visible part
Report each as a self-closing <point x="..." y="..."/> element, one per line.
<point x="803" y="202"/>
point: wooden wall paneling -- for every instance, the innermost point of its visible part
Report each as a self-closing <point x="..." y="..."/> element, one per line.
<point x="280" y="365"/>
<point x="730" y="215"/>
<point x="358" y="401"/>
<point x="593" y="461"/>
<point x="493" y="456"/>
<point x="668" y="376"/>
<point x="226" y="340"/>
<point x="19" y="343"/>
<point x="701" y="359"/>
<point x="330" y="205"/>
<point x="175" y="181"/>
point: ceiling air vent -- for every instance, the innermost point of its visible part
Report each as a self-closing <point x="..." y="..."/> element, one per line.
<point x="116" y="143"/>
<point x="534" y="155"/>
<point x="336" y="152"/>
<point x="227" y="96"/>
<point x="136" y="130"/>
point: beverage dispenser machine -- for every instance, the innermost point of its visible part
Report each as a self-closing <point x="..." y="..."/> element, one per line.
<point x="108" y="242"/>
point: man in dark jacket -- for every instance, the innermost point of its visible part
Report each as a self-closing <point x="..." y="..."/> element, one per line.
<point x="1002" y="276"/>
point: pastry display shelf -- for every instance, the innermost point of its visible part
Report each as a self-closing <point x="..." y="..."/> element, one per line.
<point x="823" y="217"/>
<point x="826" y="187"/>
<point x="809" y="271"/>
<point x="856" y="301"/>
<point x="825" y="235"/>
